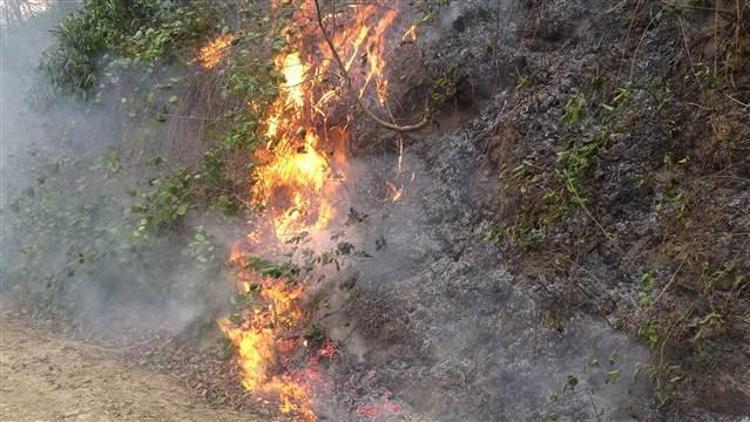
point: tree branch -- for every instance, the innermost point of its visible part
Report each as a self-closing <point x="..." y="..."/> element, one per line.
<point x="350" y="86"/>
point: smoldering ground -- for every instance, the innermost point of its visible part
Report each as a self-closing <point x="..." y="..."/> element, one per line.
<point x="434" y="327"/>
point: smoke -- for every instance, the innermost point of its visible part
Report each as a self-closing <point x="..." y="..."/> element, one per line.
<point x="428" y="317"/>
<point x="434" y="326"/>
<point x="71" y="172"/>
<point x="433" y="319"/>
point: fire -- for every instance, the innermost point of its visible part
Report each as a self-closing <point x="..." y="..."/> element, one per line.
<point x="394" y="192"/>
<point x="293" y="172"/>
<point x="375" y="55"/>
<point x="298" y="180"/>
<point x="294" y="76"/>
<point x="260" y="336"/>
<point x="255" y="349"/>
<point x="214" y="51"/>
<point x="410" y="34"/>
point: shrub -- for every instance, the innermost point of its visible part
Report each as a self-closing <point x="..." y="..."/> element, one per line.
<point x="139" y="29"/>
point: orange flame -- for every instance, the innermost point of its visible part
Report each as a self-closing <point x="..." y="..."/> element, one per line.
<point x="293" y="172"/>
<point x="410" y="33"/>
<point x="298" y="177"/>
<point x="214" y="51"/>
<point x="394" y="192"/>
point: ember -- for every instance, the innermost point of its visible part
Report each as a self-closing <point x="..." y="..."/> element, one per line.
<point x="214" y="51"/>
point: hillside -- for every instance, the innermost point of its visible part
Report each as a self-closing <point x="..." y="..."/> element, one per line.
<point x="388" y="210"/>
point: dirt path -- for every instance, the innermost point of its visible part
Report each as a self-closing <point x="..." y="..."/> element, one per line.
<point x="45" y="377"/>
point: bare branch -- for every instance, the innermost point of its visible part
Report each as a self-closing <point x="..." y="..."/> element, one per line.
<point x="350" y="86"/>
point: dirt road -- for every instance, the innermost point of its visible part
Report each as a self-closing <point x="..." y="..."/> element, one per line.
<point x="45" y="377"/>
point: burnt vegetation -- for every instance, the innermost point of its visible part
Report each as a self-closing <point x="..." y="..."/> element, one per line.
<point x="611" y="151"/>
<point x="623" y="161"/>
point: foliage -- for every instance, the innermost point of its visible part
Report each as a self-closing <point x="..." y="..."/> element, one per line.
<point x="202" y="248"/>
<point x="164" y="206"/>
<point x="645" y="297"/>
<point x="73" y="242"/>
<point x="249" y="87"/>
<point x="591" y="119"/>
<point x="143" y="30"/>
<point x="710" y="280"/>
<point x="315" y="333"/>
<point x="76" y="224"/>
<point x="650" y="333"/>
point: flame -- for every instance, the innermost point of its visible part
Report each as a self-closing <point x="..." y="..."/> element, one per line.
<point x="214" y="51"/>
<point x="293" y="172"/>
<point x="375" y="56"/>
<point x="394" y="192"/>
<point x="255" y="349"/>
<point x="294" y="75"/>
<point x="410" y="33"/>
<point x="259" y="337"/>
<point x="298" y="177"/>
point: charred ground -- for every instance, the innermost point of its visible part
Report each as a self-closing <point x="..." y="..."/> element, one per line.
<point x="572" y="240"/>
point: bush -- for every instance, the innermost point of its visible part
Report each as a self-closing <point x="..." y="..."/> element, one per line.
<point x="165" y="205"/>
<point x="139" y="29"/>
<point x="73" y="244"/>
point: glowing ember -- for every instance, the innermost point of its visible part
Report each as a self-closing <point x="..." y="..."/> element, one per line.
<point x="394" y="192"/>
<point x="410" y="34"/>
<point x="214" y="51"/>
<point x="381" y="407"/>
<point x="297" y="181"/>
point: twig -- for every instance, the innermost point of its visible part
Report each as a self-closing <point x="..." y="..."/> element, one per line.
<point x="615" y="7"/>
<point x="737" y="101"/>
<point x="177" y="116"/>
<point x="685" y="44"/>
<point x="591" y="399"/>
<point x="741" y="179"/>
<point x="671" y="280"/>
<point x="694" y="7"/>
<point x="356" y="325"/>
<point x="670" y="330"/>
<point x="716" y="42"/>
<point x="601" y="227"/>
<point x="392" y="126"/>
<point x="627" y="39"/>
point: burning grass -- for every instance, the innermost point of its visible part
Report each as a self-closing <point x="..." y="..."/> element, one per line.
<point x="298" y="184"/>
<point x="214" y="51"/>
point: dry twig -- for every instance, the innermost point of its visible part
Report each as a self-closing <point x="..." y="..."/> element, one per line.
<point x="348" y="81"/>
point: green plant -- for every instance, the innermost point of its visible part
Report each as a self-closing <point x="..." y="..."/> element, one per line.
<point x="524" y="81"/>
<point x="574" y="109"/>
<point x="138" y="29"/>
<point x="273" y="269"/>
<point x="315" y="333"/>
<point x="164" y="206"/>
<point x="713" y="320"/>
<point x="645" y="297"/>
<point x="612" y="377"/>
<point x="650" y="333"/>
<point x="710" y="279"/>
<point x="250" y="85"/>
<point x="571" y="383"/>
<point x="202" y="248"/>
<point x="572" y="164"/>
<point x="69" y="233"/>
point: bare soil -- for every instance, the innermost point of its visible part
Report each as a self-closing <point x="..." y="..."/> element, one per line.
<point x="46" y="377"/>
